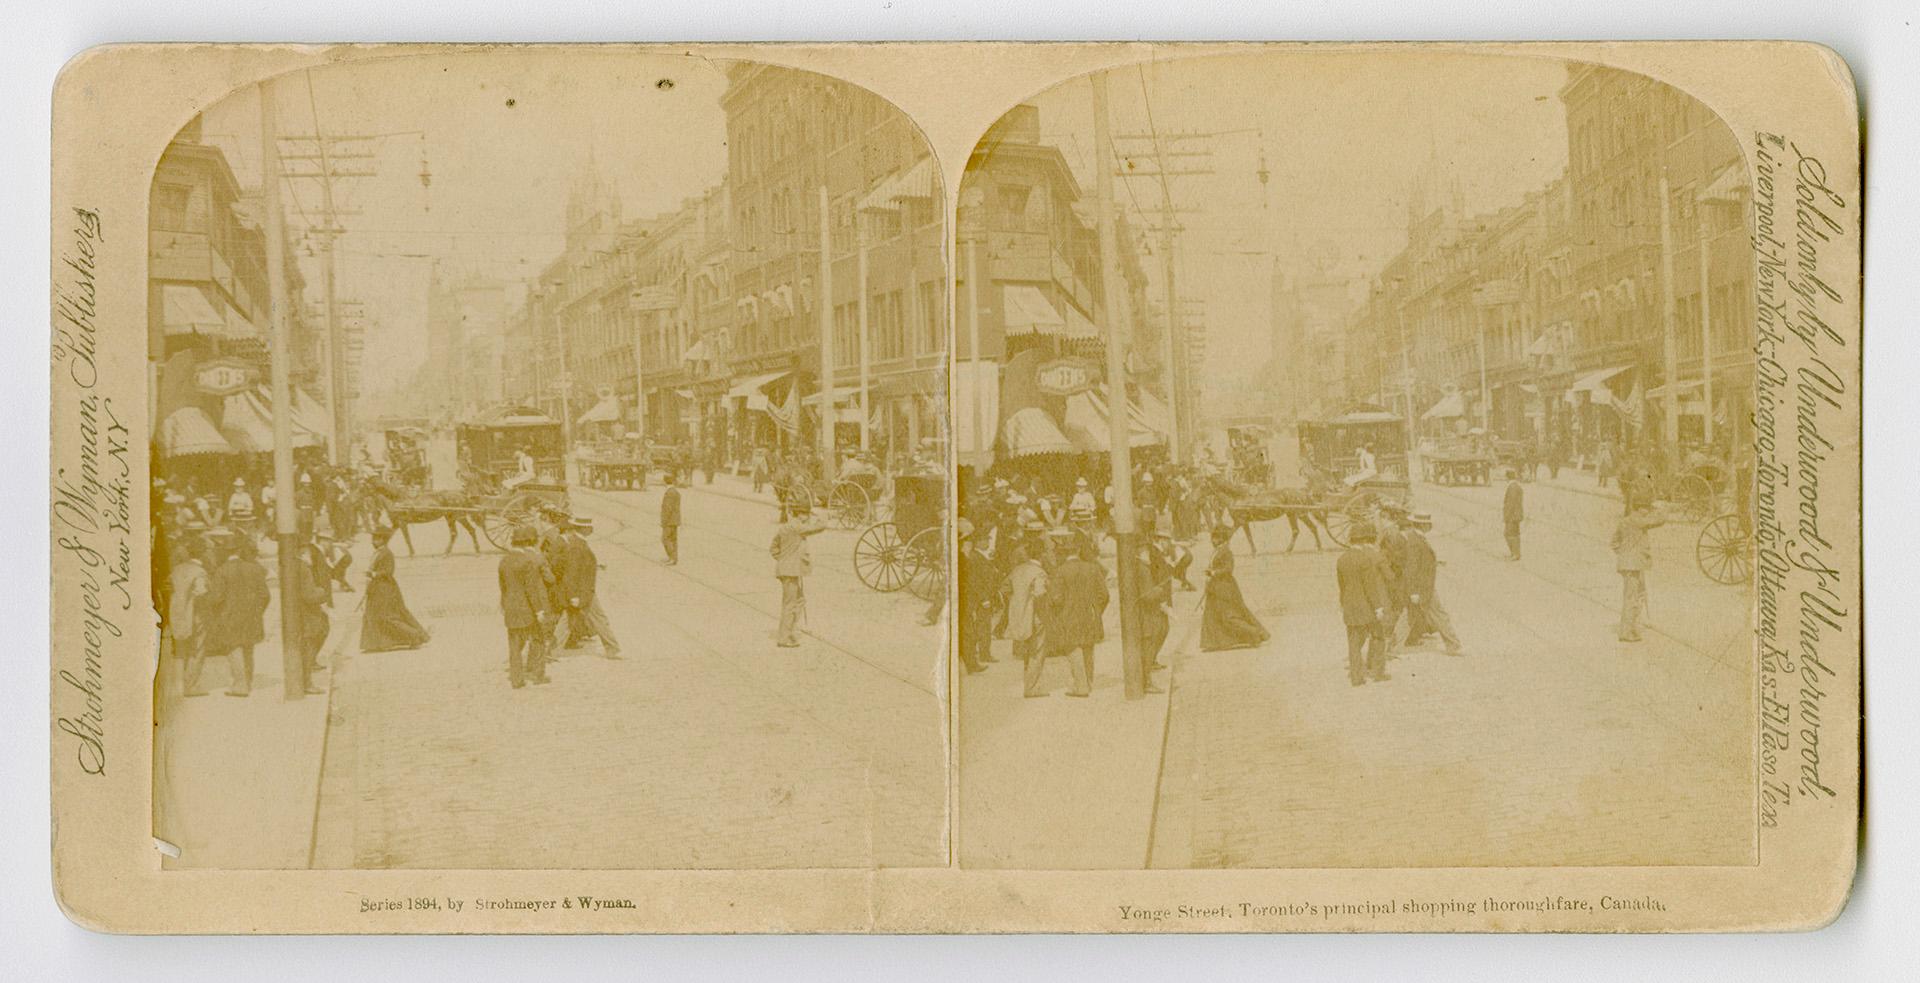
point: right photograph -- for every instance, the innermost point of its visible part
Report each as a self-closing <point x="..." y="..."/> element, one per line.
<point x="1354" y="454"/>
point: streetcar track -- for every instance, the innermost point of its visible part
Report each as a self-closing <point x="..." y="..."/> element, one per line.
<point x="625" y="526"/>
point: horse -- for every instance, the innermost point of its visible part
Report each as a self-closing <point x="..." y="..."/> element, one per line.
<point x="404" y="510"/>
<point x="1246" y="506"/>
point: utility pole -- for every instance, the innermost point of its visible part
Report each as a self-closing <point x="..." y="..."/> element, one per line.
<point x="1670" y="400"/>
<point x="860" y="284"/>
<point x="983" y="441"/>
<point x="1176" y="379"/>
<point x="1706" y="327"/>
<point x="823" y="309"/>
<point x="1126" y="540"/>
<point x="285" y="517"/>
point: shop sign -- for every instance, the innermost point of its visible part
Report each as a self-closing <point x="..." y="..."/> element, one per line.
<point x="1065" y="376"/>
<point x="222" y="377"/>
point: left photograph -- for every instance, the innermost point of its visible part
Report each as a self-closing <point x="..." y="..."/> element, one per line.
<point x="548" y="470"/>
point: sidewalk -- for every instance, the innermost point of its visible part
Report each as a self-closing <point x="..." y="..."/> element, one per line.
<point x="245" y="772"/>
<point x="1060" y="783"/>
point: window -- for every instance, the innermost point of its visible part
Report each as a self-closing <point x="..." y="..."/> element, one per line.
<point x="846" y="334"/>
<point x="1013" y="206"/>
<point x="932" y="314"/>
<point x="886" y="327"/>
<point x="782" y="211"/>
<point x="170" y="207"/>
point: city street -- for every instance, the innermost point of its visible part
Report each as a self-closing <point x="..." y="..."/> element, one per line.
<point x="1548" y="743"/>
<point x="704" y="747"/>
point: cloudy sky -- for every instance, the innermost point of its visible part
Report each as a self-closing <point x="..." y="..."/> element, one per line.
<point x="500" y="171"/>
<point x="1344" y="137"/>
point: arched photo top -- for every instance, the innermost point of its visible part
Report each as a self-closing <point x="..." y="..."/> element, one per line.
<point x="1488" y="303"/>
<point x="446" y="350"/>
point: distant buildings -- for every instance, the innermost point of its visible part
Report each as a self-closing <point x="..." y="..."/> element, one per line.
<point x="1546" y="319"/>
<point x="701" y="325"/>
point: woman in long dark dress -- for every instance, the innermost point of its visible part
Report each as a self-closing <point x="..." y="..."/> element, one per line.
<point x="1226" y="622"/>
<point x="388" y="625"/>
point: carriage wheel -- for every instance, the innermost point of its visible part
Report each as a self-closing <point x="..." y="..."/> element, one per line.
<point x="926" y="551"/>
<point x="1339" y="524"/>
<point x="848" y="503"/>
<point x="880" y="559"/>
<point x="1695" y="498"/>
<point x="1725" y="551"/>
<point x="498" y="529"/>
<point x="498" y="524"/>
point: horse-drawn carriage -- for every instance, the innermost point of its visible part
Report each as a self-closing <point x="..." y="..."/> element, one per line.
<point x="608" y="464"/>
<point x="1352" y="463"/>
<point x="407" y="456"/>
<point x="851" y="500"/>
<point x="1459" y="462"/>
<point x="909" y="549"/>
<point x="497" y="493"/>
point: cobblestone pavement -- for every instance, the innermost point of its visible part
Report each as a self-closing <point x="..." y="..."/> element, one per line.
<point x="705" y="747"/>
<point x="1548" y="743"/>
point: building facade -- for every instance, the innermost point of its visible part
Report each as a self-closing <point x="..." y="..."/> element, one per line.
<point x="1551" y="320"/>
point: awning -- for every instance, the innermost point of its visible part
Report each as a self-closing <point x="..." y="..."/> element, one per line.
<point x="1087" y="416"/>
<point x="187" y="431"/>
<point x="753" y="389"/>
<point x="1032" y="431"/>
<point x="310" y="416"/>
<point x="246" y="418"/>
<point x="605" y="411"/>
<point x="1594" y="381"/>
<point x="913" y="182"/>
<point x="1029" y="312"/>
<point x="1449" y="406"/>
<point x="1730" y="185"/>
<point x="696" y="353"/>
<point x="184" y="309"/>
<point x="246" y="424"/>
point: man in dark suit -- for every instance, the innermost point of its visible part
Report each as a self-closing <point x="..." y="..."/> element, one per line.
<point x="1513" y="512"/>
<point x="670" y="521"/>
<point x="238" y="596"/>
<point x="1422" y="568"/>
<point x="524" y="581"/>
<point x="1077" y="596"/>
<point x="580" y="582"/>
<point x="1155" y="577"/>
<point x="1364" y="604"/>
<point x="1393" y="554"/>
<point x="979" y="585"/>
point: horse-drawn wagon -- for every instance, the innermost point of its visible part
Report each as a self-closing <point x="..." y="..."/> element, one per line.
<point x="909" y="549"/>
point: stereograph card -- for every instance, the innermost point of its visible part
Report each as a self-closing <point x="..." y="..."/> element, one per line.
<point x="766" y="488"/>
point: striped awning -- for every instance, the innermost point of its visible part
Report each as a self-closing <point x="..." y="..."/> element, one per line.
<point x="1032" y="431"/>
<point x="185" y="309"/>
<point x="1088" y="416"/>
<point x="188" y="431"/>
<point x="915" y="181"/>
<point x="246" y="418"/>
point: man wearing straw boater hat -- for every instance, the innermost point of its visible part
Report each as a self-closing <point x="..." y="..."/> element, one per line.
<point x="791" y="564"/>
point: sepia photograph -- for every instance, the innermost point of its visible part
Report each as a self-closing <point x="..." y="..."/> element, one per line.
<point x="770" y="488"/>
<point x="1423" y="537"/>
<point x="549" y="469"/>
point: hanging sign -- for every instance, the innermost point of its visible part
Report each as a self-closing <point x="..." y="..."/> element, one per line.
<point x="1065" y="376"/>
<point x="222" y="377"/>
